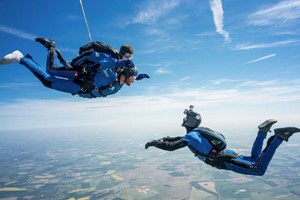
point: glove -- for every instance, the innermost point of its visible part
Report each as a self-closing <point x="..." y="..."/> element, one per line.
<point x="142" y="76"/>
<point x="150" y="144"/>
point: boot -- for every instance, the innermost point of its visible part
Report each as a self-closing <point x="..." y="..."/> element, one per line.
<point x="286" y="133"/>
<point x="266" y="125"/>
<point x="12" y="58"/>
<point x="49" y="44"/>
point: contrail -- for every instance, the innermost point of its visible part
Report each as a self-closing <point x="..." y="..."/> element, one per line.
<point x="262" y="58"/>
<point x="16" y="32"/>
<point x="217" y="9"/>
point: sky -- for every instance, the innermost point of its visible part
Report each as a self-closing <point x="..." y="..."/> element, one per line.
<point x="236" y="61"/>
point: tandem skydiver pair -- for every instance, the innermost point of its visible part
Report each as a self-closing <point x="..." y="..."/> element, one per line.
<point x="98" y="71"/>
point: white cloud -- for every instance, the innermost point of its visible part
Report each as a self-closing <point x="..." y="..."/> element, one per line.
<point x="154" y="10"/>
<point x="218" y="14"/>
<point x="185" y="78"/>
<point x="261" y="58"/>
<point x="221" y="81"/>
<point x="249" y="101"/>
<point x="12" y="85"/>
<point x="163" y="71"/>
<point x="73" y="17"/>
<point x="205" y="34"/>
<point x="17" y="32"/>
<point x="282" y="13"/>
<point x="156" y="32"/>
<point x="271" y="83"/>
<point x="266" y="45"/>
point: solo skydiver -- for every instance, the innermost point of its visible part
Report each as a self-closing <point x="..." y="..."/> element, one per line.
<point x="210" y="146"/>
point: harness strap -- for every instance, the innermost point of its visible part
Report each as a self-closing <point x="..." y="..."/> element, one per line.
<point x="75" y="60"/>
<point x="88" y="87"/>
<point x="102" y="88"/>
<point x="209" y="158"/>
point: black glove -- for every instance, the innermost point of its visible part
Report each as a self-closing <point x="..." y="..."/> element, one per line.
<point x="142" y="76"/>
<point x="150" y="144"/>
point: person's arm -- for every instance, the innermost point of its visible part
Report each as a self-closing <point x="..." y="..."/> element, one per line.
<point x="116" y="65"/>
<point x="170" y="145"/>
<point x="170" y="139"/>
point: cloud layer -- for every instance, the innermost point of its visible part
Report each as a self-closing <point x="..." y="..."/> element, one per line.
<point x="282" y="13"/>
<point x="284" y="43"/>
<point x="250" y="101"/>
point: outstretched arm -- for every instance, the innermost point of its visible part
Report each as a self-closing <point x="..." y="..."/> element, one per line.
<point x="175" y="144"/>
<point x="171" y="139"/>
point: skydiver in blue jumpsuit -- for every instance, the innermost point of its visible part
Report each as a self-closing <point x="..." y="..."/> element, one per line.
<point x="213" y="151"/>
<point x="105" y="75"/>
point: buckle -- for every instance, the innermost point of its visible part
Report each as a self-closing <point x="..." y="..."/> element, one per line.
<point x="84" y="70"/>
<point x="83" y="89"/>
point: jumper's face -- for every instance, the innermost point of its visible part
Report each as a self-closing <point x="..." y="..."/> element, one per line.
<point x="127" y="56"/>
<point x="130" y="80"/>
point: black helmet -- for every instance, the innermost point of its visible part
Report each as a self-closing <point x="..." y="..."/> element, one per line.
<point x="192" y="119"/>
<point x="130" y="71"/>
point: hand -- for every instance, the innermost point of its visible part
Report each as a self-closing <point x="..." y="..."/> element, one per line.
<point x="149" y="144"/>
<point x="142" y="76"/>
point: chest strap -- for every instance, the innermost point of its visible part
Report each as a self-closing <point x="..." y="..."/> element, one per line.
<point x="88" y="87"/>
<point x="209" y="158"/>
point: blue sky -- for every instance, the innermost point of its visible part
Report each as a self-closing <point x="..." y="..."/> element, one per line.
<point x="236" y="61"/>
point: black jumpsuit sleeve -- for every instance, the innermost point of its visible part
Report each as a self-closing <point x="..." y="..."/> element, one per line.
<point x="171" y="145"/>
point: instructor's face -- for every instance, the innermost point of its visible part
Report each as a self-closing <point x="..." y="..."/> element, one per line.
<point x="130" y="80"/>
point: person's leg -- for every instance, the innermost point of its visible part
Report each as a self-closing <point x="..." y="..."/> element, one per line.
<point x="268" y="154"/>
<point x="258" y="168"/>
<point x="263" y="129"/>
<point x="258" y="144"/>
<point x="65" y="71"/>
<point x="261" y="165"/>
<point x="52" y="82"/>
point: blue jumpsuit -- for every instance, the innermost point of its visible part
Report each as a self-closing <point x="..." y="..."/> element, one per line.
<point x="256" y="164"/>
<point x="63" y="80"/>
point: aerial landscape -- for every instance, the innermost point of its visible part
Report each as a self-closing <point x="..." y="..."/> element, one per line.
<point x="94" y="166"/>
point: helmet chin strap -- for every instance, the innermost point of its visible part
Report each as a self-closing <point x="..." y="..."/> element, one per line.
<point x="188" y="129"/>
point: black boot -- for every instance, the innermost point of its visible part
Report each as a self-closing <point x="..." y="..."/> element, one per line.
<point x="266" y="125"/>
<point x="285" y="133"/>
<point x="49" y="44"/>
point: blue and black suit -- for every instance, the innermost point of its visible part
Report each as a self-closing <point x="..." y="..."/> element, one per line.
<point x="104" y="80"/>
<point x="227" y="159"/>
